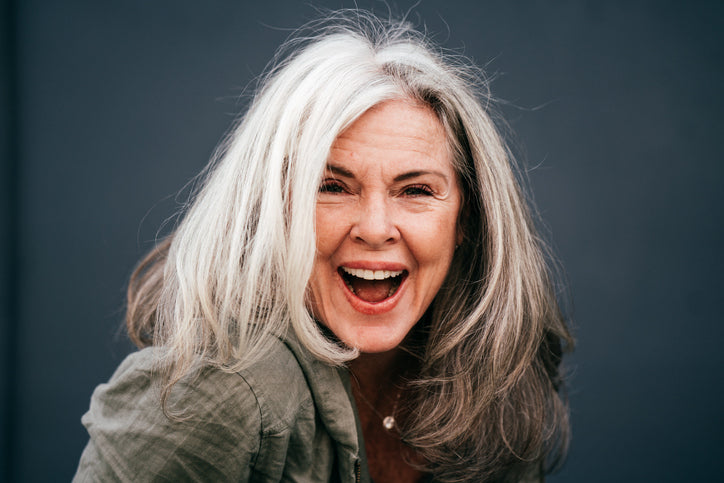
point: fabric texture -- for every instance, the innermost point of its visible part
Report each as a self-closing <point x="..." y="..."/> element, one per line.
<point x="286" y="418"/>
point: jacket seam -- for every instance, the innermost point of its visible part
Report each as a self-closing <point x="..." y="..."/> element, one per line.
<point x="261" y="424"/>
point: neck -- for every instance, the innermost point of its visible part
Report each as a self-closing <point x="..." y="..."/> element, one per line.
<point x="376" y="387"/>
<point x="379" y="372"/>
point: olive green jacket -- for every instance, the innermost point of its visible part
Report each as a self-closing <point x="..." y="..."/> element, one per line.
<point x="288" y="417"/>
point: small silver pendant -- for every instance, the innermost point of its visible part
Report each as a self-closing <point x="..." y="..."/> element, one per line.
<point x="388" y="423"/>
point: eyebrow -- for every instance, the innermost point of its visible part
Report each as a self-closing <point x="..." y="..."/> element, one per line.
<point x="340" y="171"/>
<point x="402" y="177"/>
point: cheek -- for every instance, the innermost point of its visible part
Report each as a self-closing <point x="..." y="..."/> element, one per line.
<point x="433" y="254"/>
<point x="329" y="236"/>
<point x="320" y="284"/>
<point x="329" y="229"/>
<point x="433" y="236"/>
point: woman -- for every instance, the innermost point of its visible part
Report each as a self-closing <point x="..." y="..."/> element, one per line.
<point x="356" y="290"/>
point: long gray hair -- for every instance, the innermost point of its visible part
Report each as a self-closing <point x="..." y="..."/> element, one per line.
<point x="486" y="403"/>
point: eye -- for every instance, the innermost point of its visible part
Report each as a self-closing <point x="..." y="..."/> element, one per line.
<point x="331" y="186"/>
<point x="417" y="190"/>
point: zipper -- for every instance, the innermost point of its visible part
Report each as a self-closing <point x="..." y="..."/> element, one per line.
<point x="357" y="470"/>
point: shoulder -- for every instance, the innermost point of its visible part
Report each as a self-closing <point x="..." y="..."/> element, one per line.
<point x="221" y="413"/>
<point x="279" y="386"/>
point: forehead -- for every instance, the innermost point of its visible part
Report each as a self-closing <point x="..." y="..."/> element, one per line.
<point x="399" y="131"/>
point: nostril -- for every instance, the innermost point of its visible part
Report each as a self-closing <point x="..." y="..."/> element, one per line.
<point x="378" y="236"/>
<point x="374" y="226"/>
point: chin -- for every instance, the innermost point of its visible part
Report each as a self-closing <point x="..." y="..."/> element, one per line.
<point x="376" y="347"/>
<point x="375" y="339"/>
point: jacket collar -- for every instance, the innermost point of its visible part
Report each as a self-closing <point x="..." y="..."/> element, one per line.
<point x="330" y="390"/>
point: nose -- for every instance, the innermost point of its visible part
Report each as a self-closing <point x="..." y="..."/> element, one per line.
<point x="374" y="225"/>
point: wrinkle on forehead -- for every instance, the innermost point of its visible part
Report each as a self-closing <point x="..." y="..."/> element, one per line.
<point x="368" y="133"/>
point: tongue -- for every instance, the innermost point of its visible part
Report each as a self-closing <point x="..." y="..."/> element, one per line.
<point x="372" y="290"/>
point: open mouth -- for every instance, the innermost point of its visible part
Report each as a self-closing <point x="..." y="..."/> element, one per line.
<point x="372" y="286"/>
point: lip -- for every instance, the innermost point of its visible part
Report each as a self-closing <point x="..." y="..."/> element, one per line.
<point x="390" y="266"/>
<point x="374" y="308"/>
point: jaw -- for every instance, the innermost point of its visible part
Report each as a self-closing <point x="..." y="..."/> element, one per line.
<point x="369" y="326"/>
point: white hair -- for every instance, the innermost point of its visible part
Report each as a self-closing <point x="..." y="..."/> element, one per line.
<point x="237" y="268"/>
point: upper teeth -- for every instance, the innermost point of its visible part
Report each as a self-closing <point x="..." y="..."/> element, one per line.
<point x="372" y="274"/>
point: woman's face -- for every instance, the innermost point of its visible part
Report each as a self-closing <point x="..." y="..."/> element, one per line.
<point x="387" y="225"/>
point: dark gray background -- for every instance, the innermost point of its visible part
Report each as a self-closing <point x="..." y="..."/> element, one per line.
<point x="109" y="108"/>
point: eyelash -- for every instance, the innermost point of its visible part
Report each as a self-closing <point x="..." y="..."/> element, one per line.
<point x="331" y="186"/>
<point x="418" y="190"/>
<point x="335" y="186"/>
